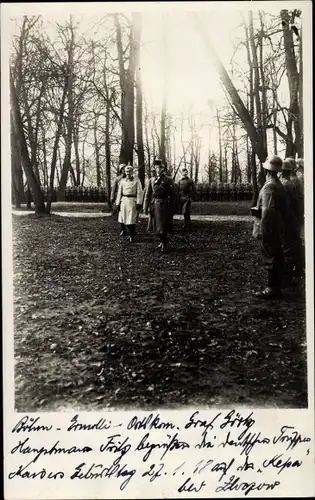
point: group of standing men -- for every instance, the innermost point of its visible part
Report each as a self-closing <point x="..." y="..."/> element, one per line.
<point x="159" y="200"/>
<point x="279" y="223"/>
<point x="279" y="214"/>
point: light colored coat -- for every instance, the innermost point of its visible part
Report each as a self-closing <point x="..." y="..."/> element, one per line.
<point x="129" y="197"/>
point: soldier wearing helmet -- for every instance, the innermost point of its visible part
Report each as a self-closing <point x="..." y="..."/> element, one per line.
<point x="272" y="211"/>
<point x="293" y="251"/>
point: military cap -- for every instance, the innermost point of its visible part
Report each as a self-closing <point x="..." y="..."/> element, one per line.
<point x="274" y="164"/>
<point x="121" y="167"/>
<point x="157" y="163"/>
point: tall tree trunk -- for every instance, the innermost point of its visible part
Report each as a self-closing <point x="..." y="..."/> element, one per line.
<point x="220" y="148"/>
<point x="225" y="163"/>
<point x="97" y="154"/>
<point x="127" y="82"/>
<point x="191" y="172"/>
<point x="301" y="115"/>
<point x="16" y="169"/>
<point x="53" y="166"/>
<point x="252" y="155"/>
<point x="70" y="119"/>
<point x="77" y="154"/>
<point x="139" y="100"/>
<point x="264" y="109"/>
<point x="257" y="93"/>
<point x="148" y="149"/>
<point x="18" y="129"/>
<point x="254" y="178"/>
<point x="108" y="153"/>
<point x="165" y="85"/>
<point x="293" y="79"/>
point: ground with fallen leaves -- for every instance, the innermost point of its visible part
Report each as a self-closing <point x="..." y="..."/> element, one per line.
<point x="101" y="323"/>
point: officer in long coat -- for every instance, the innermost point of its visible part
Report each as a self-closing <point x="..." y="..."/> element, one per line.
<point x="151" y="221"/>
<point x="162" y="194"/>
<point x="293" y="252"/>
<point x="272" y="210"/>
<point x="187" y="191"/>
<point x="129" y="201"/>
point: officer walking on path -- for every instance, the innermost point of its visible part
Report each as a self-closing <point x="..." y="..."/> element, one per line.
<point x="129" y="201"/>
<point x="162" y="194"/>
<point x="151" y="221"/>
<point x="186" y="188"/>
<point x="271" y="208"/>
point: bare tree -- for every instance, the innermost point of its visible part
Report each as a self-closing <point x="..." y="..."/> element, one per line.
<point x="139" y="99"/>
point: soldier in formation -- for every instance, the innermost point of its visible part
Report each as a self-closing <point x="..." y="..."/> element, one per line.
<point x="186" y="189"/>
<point x="280" y="214"/>
<point x="151" y="221"/>
<point x="293" y="252"/>
<point x="300" y="176"/>
<point x="271" y="209"/>
<point x="129" y="202"/>
<point x="162" y="194"/>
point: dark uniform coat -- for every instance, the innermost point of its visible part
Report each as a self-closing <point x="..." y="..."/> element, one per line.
<point x="161" y="192"/>
<point x="186" y="188"/>
<point x="272" y="203"/>
<point x="292" y="232"/>
<point x="151" y="220"/>
<point x="115" y="188"/>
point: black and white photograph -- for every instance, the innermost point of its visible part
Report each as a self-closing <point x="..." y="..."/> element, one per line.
<point x="158" y="208"/>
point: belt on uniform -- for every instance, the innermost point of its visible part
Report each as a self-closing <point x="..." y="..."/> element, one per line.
<point x="129" y="196"/>
<point x="161" y="197"/>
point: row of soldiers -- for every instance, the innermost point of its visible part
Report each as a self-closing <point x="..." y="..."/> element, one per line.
<point x="279" y="224"/>
<point x="232" y="191"/>
<point x="159" y="201"/>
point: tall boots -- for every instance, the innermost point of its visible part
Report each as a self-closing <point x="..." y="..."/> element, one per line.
<point x="163" y="243"/>
<point x="132" y="232"/>
<point x="187" y="221"/>
<point x="122" y="230"/>
<point x="131" y="229"/>
<point x="273" y="290"/>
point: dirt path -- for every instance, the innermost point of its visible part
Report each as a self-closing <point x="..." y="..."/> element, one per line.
<point x="100" y="215"/>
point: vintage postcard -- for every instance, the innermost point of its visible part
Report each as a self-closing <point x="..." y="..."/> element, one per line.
<point x="157" y="242"/>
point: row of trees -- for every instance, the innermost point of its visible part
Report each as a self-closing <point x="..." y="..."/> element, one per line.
<point x="73" y="93"/>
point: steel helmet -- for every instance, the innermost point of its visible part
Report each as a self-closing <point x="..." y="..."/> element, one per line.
<point x="274" y="164"/>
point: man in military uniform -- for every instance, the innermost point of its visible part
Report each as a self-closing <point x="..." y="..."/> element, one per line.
<point x="151" y="222"/>
<point x="187" y="191"/>
<point x="272" y="210"/>
<point x="168" y="174"/>
<point x="292" y="242"/>
<point x="121" y="175"/>
<point x="300" y="176"/>
<point x="161" y="193"/>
